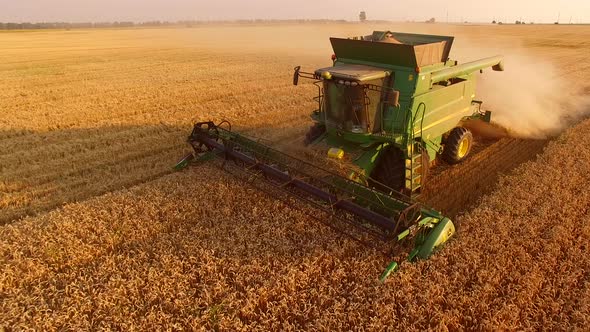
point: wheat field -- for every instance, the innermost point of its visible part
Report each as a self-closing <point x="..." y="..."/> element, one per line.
<point x="98" y="232"/>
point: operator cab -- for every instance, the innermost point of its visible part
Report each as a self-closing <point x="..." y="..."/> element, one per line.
<point x="354" y="96"/>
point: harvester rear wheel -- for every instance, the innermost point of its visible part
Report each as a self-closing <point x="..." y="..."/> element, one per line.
<point x="389" y="171"/>
<point x="458" y="145"/>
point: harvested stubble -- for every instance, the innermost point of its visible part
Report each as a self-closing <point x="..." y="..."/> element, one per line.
<point x="453" y="189"/>
<point x="199" y="249"/>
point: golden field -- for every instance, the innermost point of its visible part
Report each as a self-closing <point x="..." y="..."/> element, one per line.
<point x="98" y="234"/>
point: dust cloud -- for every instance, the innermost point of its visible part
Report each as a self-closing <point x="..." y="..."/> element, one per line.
<point x="531" y="98"/>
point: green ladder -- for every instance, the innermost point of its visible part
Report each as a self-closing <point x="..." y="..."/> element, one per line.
<point x="413" y="174"/>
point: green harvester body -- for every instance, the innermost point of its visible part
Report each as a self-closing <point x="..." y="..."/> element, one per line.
<point x="406" y="95"/>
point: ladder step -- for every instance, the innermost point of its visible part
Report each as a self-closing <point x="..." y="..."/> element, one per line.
<point x="414" y="167"/>
<point x="414" y="160"/>
<point x="414" y="173"/>
<point x="413" y="181"/>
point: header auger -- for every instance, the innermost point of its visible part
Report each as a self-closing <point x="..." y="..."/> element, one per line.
<point x="391" y="102"/>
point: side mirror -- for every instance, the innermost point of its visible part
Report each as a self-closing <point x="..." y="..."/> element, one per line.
<point x="296" y="75"/>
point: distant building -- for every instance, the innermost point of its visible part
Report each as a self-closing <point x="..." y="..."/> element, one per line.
<point x="363" y="16"/>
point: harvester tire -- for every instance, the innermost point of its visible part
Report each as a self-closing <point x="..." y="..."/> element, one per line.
<point x="390" y="171"/>
<point x="457" y="145"/>
<point x="314" y="133"/>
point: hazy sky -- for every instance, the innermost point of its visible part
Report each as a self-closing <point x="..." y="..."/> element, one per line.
<point x="143" y="10"/>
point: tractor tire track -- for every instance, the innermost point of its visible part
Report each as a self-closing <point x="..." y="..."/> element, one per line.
<point x="460" y="186"/>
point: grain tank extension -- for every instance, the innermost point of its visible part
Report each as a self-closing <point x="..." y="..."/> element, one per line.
<point x="394" y="102"/>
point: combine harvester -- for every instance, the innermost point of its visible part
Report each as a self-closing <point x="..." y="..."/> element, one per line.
<point x="391" y="104"/>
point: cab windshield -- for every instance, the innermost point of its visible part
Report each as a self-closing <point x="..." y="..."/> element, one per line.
<point x="352" y="108"/>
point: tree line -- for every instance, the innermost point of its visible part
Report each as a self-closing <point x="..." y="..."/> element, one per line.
<point x="92" y="25"/>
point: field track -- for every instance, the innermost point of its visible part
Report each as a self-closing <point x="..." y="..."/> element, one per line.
<point x="454" y="189"/>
